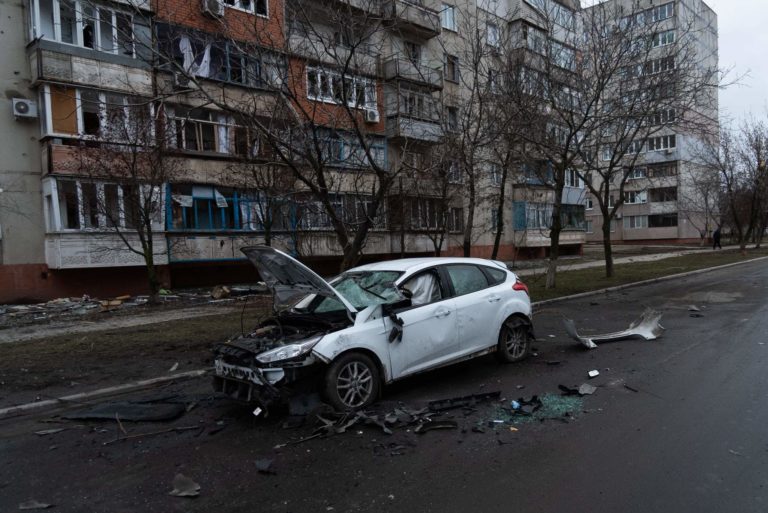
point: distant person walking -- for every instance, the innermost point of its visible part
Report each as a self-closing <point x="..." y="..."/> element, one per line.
<point x="716" y="239"/>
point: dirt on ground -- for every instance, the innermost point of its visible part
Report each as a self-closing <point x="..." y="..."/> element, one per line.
<point x="77" y="361"/>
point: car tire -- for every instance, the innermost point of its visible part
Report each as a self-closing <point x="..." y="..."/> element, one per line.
<point x="514" y="340"/>
<point x="352" y="382"/>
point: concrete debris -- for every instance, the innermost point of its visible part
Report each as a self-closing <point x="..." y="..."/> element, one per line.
<point x="184" y="487"/>
<point x="587" y="389"/>
<point x="220" y="292"/>
<point x="693" y="308"/>
<point x="646" y="327"/>
<point x="33" y="504"/>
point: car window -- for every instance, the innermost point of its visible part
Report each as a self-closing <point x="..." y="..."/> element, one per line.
<point x="466" y="278"/>
<point x="496" y="276"/>
<point x="361" y="289"/>
<point x="424" y="287"/>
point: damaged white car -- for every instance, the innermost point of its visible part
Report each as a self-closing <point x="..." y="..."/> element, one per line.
<point x="372" y="325"/>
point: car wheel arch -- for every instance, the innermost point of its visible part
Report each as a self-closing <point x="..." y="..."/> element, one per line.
<point x="519" y="319"/>
<point x="383" y="371"/>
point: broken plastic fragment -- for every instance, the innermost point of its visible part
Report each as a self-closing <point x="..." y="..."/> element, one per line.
<point x="647" y="327"/>
<point x="587" y="389"/>
<point x="257" y="412"/>
<point x="184" y="487"/>
<point x="593" y="373"/>
<point x="33" y="504"/>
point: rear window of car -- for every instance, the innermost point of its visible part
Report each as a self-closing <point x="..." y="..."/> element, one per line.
<point x="495" y="276"/>
<point x="466" y="278"/>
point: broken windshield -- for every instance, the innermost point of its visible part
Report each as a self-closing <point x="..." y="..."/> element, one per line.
<point x="361" y="289"/>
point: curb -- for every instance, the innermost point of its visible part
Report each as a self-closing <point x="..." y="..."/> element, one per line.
<point x="23" y="408"/>
<point x="644" y="282"/>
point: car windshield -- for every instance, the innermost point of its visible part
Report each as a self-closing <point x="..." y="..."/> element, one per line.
<point x="361" y="288"/>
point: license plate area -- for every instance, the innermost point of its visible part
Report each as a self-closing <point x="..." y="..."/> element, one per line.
<point x="226" y="370"/>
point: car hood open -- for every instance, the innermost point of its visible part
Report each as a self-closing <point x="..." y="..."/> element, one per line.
<point x="289" y="279"/>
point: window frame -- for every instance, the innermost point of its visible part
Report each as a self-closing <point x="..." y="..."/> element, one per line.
<point x="444" y="18"/>
<point x="252" y="10"/>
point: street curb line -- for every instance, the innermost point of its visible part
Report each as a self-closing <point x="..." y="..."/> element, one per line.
<point x="23" y="408"/>
<point x="644" y="282"/>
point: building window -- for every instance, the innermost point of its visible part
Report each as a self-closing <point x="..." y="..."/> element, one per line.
<point x="494" y="173"/>
<point x="494" y="81"/>
<point x="493" y="36"/>
<point x="412" y="52"/>
<point x="632" y="197"/>
<point x="636" y="173"/>
<point x="572" y="179"/>
<point x="662" y="12"/>
<point x="455" y="220"/>
<point x="419" y="105"/>
<point x="590" y="204"/>
<point x="448" y="17"/>
<point x="589" y="226"/>
<point x="663" y="194"/>
<point x="664" y="117"/>
<point x="198" y="130"/>
<point x="203" y="207"/>
<point x="635" y="222"/>
<point x="327" y="86"/>
<point x="452" y="68"/>
<point x="84" y="24"/>
<point x="663" y="38"/>
<point x="662" y="65"/>
<point x="347" y="151"/>
<point x="662" y="142"/>
<point x="452" y="118"/>
<point x="635" y="147"/>
<point x="453" y="173"/>
<point x="662" y="220"/>
<point x="426" y="214"/>
<point x="662" y="170"/>
<point x="572" y="217"/>
<point x="494" y="219"/>
<point x="95" y="205"/>
<point x="258" y="7"/>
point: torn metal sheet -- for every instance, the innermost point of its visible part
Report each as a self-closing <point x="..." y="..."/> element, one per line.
<point x="647" y="327"/>
<point x="130" y="412"/>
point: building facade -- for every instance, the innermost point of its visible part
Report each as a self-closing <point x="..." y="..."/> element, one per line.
<point x="271" y="115"/>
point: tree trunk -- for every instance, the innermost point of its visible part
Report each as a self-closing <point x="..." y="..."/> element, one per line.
<point x="152" y="280"/>
<point x="607" y="248"/>
<point x="554" y="239"/>
<point x="500" y="215"/>
<point x="470" y="219"/>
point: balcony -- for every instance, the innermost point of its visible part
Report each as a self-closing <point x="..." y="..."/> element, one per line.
<point x="411" y="18"/>
<point x="80" y="250"/>
<point x="412" y="116"/>
<point x="395" y="68"/>
<point x="56" y="62"/>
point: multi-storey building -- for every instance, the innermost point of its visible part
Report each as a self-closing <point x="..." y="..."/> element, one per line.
<point x="661" y="200"/>
<point x="84" y="75"/>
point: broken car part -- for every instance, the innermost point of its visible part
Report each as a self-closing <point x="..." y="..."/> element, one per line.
<point x="462" y="402"/>
<point x="647" y="327"/>
<point x="184" y="487"/>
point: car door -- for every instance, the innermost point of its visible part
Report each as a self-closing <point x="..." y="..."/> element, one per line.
<point x="429" y="328"/>
<point x="476" y="305"/>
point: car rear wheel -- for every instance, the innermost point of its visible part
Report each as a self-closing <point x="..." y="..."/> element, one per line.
<point x="352" y="382"/>
<point x="514" y="341"/>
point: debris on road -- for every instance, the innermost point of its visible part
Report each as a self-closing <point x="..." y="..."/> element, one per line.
<point x="568" y="390"/>
<point x="632" y="389"/>
<point x="587" y="389"/>
<point x="184" y="487"/>
<point x="220" y="292"/>
<point x="435" y="424"/>
<point x="467" y="401"/>
<point x="130" y="411"/>
<point x="593" y="373"/>
<point x="33" y="504"/>
<point x="46" y="432"/>
<point x="646" y="327"/>
<point x="174" y="367"/>
<point x="264" y="466"/>
<point x="693" y="308"/>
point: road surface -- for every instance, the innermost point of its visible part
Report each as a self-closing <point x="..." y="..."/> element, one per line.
<point x="688" y="435"/>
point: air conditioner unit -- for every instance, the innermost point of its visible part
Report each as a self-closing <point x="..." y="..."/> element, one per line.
<point x="180" y="80"/>
<point x="24" y="109"/>
<point x="212" y="8"/>
<point x="372" y="116"/>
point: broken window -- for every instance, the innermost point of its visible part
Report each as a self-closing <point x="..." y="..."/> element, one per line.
<point x="90" y="111"/>
<point x="67" y="22"/>
<point x="124" y="28"/>
<point x="203" y="207"/>
<point x="198" y="130"/>
<point x="90" y="205"/>
<point x="111" y="205"/>
<point x="69" y="212"/>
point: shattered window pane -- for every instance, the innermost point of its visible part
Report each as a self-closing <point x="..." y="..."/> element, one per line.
<point x="68" y="205"/>
<point x="111" y="205"/>
<point x="90" y="205"/>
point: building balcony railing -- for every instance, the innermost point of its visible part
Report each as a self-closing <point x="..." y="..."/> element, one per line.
<point x="395" y="68"/>
<point x="412" y="17"/>
<point x="97" y="249"/>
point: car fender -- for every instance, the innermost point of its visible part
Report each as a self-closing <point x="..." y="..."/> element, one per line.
<point x="369" y="337"/>
<point x="512" y="306"/>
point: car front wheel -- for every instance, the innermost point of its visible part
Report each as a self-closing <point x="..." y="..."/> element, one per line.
<point x="514" y="341"/>
<point x="352" y="382"/>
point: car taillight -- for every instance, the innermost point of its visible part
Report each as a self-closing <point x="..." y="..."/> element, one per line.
<point x="519" y="285"/>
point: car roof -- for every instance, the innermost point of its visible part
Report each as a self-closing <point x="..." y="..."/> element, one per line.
<point x="415" y="264"/>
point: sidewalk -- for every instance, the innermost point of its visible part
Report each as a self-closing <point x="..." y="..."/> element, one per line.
<point x="564" y="265"/>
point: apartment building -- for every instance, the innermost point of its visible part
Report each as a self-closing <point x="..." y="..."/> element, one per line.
<point x="253" y="100"/>
<point x="661" y="200"/>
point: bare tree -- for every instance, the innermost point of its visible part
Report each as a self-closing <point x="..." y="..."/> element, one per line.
<point x="127" y="166"/>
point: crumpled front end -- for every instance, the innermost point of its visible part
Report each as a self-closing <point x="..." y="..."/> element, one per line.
<point x="269" y="363"/>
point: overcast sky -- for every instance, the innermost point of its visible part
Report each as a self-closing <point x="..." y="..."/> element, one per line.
<point x="743" y="45"/>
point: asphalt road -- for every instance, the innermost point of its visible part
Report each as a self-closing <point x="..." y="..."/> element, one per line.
<point x="689" y="435"/>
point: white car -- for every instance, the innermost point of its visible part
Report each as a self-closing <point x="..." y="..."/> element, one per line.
<point x="372" y="325"/>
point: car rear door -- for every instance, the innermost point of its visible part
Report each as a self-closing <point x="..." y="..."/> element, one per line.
<point x="476" y="304"/>
<point x="429" y="332"/>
